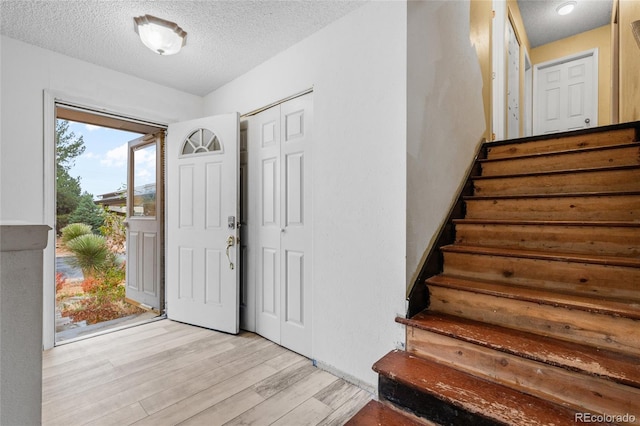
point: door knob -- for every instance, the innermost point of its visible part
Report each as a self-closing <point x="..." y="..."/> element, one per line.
<point x="586" y="120"/>
<point x="230" y="242"/>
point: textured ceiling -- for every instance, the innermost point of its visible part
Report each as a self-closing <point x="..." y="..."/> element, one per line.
<point x="543" y="24"/>
<point x="225" y="38"/>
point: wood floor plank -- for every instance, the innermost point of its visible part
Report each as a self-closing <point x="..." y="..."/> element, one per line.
<point x="283" y="402"/>
<point x="209" y="397"/>
<point x="143" y="384"/>
<point x="226" y="410"/>
<point x="152" y="376"/>
<point x="172" y="393"/>
<point x="74" y="383"/>
<point x="106" y="342"/>
<point x="309" y="413"/>
<point x="347" y="410"/>
<point x="168" y="373"/>
<point x="167" y="344"/>
<point x="285" y="378"/>
<point x="124" y="416"/>
<point x="198" y="351"/>
<point x="337" y="394"/>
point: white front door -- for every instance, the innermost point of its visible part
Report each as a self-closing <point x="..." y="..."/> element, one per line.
<point x="144" y="222"/>
<point x="202" y="213"/>
<point x="566" y="94"/>
<point x="280" y="213"/>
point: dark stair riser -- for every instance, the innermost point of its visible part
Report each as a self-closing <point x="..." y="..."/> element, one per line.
<point x="587" y="360"/>
<point x="428" y="406"/>
<point x="622" y="179"/>
<point x="626" y="155"/>
<point x="506" y="149"/>
<point x="580" y="278"/>
<point x="543" y="380"/>
<point x="597" y="240"/>
<point x="593" y="329"/>
<point x="597" y="207"/>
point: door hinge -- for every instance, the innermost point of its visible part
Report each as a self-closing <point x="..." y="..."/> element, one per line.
<point x="493" y="12"/>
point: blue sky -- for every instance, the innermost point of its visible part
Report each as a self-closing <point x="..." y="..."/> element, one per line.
<point x="103" y="166"/>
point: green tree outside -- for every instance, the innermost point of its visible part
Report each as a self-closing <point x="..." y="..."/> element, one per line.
<point x="88" y="212"/>
<point x="68" y="191"/>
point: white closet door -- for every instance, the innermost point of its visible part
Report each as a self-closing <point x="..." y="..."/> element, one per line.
<point x="280" y="146"/>
<point x="295" y="296"/>
<point x="265" y="128"/>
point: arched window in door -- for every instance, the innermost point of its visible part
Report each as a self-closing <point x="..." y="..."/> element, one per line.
<point x="201" y="141"/>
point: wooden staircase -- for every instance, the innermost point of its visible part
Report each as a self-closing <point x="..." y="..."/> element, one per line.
<point x="535" y="316"/>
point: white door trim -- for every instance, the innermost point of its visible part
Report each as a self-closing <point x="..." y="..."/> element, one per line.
<point x="528" y="94"/>
<point x="499" y="68"/>
<point x="513" y="82"/>
<point x="50" y="99"/>
<point x="580" y="55"/>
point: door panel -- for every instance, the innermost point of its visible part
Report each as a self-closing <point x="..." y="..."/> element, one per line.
<point x="266" y="142"/>
<point x="295" y="189"/>
<point x="294" y="283"/>
<point x="144" y="222"/>
<point x="280" y="145"/>
<point x="202" y="266"/>
<point x="566" y="96"/>
<point x="296" y="116"/>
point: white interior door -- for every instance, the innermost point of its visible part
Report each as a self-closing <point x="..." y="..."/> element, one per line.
<point x="498" y="60"/>
<point x="280" y="148"/>
<point x="202" y="211"/>
<point x="144" y="222"/>
<point x="513" y="83"/>
<point x="566" y="94"/>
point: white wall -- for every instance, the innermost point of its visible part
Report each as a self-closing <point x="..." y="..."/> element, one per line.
<point x="357" y="69"/>
<point x="379" y="133"/>
<point x="445" y="120"/>
<point x="26" y="71"/>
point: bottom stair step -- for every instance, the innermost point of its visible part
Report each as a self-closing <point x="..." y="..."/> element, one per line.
<point x="376" y="413"/>
<point x="451" y="397"/>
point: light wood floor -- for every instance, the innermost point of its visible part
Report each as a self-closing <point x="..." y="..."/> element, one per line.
<point x="168" y="373"/>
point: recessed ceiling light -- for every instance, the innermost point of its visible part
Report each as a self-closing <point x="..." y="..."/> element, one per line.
<point x="161" y="36"/>
<point x="566" y="8"/>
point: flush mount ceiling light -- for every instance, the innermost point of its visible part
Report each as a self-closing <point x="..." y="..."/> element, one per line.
<point x="161" y="36"/>
<point x="566" y="8"/>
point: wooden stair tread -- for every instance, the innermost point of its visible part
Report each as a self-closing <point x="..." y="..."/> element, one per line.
<point x="570" y="301"/>
<point x="631" y="262"/>
<point x="624" y="130"/>
<point x="561" y="152"/>
<point x="558" y="172"/>
<point x="556" y="195"/>
<point x="376" y="413"/>
<point x="601" y="223"/>
<point x="587" y="359"/>
<point x="470" y="393"/>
